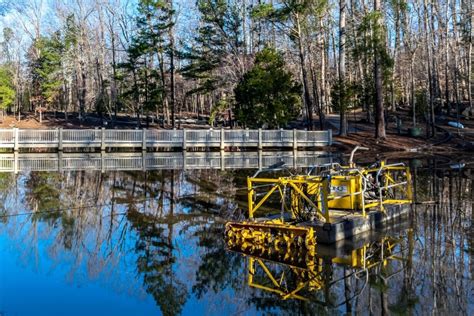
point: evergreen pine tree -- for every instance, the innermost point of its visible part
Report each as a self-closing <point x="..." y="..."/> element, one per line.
<point x="267" y="94"/>
<point x="46" y="69"/>
<point x="146" y="57"/>
<point x="7" y="93"/>
<point x="219" y="35"/>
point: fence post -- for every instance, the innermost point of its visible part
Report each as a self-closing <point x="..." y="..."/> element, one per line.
<point x="144" y="139"/>
<point x="184" y="160"/>
<point x="329" y="137"/>
<point x="222" y="160"/>
<point x="260" y="145"/>
<point x="222" y="139"/>
<point x="184" y="139"/>
<point x="295" y="158"/>
<point x="102" y="161"/>
<point x="60" y="161"/>
<point x="15" y="135"/>
<point x="15" y="162"/>
<point x="295" y="140"/>
<point x="102" y="139"/>
<point x="60" y="139"/>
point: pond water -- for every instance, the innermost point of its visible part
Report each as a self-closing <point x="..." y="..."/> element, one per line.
<point x="151" y="243"/>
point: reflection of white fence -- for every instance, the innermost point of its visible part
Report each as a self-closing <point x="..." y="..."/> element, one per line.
<point x="104" y="138"/>
<point x="21" y="162"/>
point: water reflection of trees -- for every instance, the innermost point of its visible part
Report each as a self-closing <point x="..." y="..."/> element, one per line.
<point x="102" y="224"/>
<point x="7" y="193"/>
<point x="439" y="277"/>
<point x="88" y="219"/>
<point x="155" y="258"/>
<point x="444" y="230"/>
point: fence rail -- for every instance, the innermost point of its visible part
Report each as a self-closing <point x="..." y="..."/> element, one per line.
<point x="25" y="162"/>
<point x="212" y="138"/>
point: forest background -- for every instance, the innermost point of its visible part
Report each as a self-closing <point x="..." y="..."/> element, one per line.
<point x="246" y="63"/>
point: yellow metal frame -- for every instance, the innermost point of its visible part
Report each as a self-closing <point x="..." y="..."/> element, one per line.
<point x="389" y="183"/>
<point x="313" y="276"/>
<point x="321" y="188"/>
<point x="314" y="280"/>
<point x="294" y="183"/>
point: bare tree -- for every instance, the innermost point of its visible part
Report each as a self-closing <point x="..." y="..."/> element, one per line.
<point x="342" y="67"/>
<point x="379" y="107"/>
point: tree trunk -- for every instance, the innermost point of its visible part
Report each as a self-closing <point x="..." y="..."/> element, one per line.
<point x="172" y="74"/>
<point x="446" y="66"/>
<point x="307" y="98"/>
<point x="379" y="108"/>
<point x="161" y="66"/>
<point x="470" y="69"/>
<point x="395" y="59"/>
<point x="412" y="89"/>
<point x="429" y="68"/>
<point x="114" y="79"/>
<point x="456" y="88"/>
<point x="69" y="98"/>
<point x="82" y="90"/>
<point x="317" y="100"/>
<point x="322" y="44"/>
<point x="136" y="95"/>
<point x="342" y="68"/>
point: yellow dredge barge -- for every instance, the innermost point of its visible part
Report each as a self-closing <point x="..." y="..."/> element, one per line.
<point x="330" y="203"/>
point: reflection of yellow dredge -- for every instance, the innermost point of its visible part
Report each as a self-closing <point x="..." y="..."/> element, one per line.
<point x="304" y="200"/>
<point x="291" y="276"/>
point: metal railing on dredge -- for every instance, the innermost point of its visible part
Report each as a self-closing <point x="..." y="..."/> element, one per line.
<point x="335" y="187"/>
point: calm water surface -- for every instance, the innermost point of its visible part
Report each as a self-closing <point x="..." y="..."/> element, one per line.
<point x="151" y="243"/>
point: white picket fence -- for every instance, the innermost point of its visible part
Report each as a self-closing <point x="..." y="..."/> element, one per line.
<point x="186" y="138"/>
<point x="25" y="162"/>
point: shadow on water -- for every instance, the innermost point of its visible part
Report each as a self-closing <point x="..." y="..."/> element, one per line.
<point x="152" y="242"/>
